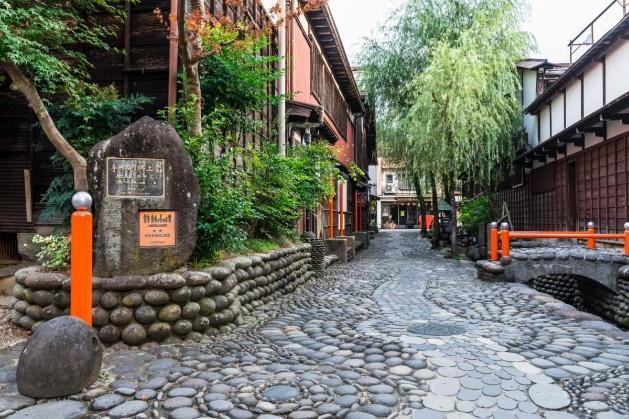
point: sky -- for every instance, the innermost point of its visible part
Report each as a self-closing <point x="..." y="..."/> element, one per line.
<point x="552" y="22"/>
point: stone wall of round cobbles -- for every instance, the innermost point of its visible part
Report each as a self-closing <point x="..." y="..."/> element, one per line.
<point x="587" y="295"/>
<point x="185" y="304"/>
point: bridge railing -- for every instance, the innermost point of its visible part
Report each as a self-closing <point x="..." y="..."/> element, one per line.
<point x="502" y="238"/>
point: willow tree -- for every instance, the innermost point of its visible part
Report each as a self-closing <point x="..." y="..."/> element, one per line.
<point x="394" y="59"/>
<point x="465" y="109"/>
<point x="40" y="58"/>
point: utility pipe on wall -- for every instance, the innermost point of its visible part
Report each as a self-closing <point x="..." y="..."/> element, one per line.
<point x="281" y="114"/>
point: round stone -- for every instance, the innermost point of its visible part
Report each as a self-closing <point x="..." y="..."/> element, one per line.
<point x="281" y="393"/>
<point x="134" y="334"/>
<point x="62" y="357"/>
<point x="156" y="297"/>
<point x="185" y="413"/>
<point x="177" y="402"/>
<point x="170" y="313"/>
<point x="66" y="409"/>
<point x="121" y="316"/>
<point x="127" y="409"/>
<point x="109" y="333"/>
<point x="132" y="300"/>
<point x="145" y="314"/>
<point x="107" y="401"/>
<point x="400" y="370"/>
<point x="220" y="405"/>
<point x="159" y="331"/>
<point x="549" y="396"/>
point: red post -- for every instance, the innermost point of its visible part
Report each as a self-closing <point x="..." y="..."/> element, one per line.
<point x="331" y="211"/>
<point x="356" y="213"/>
<point x="493" y="242"/>
<point x="505" y="240"/>
<point x="626" y="239"/>
<point x="81" y="258"/>
<point x="591" y="241"/>
<point x="341" y="209"/>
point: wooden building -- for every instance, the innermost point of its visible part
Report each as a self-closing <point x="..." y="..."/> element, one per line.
<point x="25" y="153"/>
<point x="325" y="102"/>
<point x="573" y="166"/>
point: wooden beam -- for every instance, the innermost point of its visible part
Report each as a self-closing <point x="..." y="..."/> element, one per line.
<point x="28" y="196"/>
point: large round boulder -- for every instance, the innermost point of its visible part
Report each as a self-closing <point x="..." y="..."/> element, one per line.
<point x="62" y="357"/>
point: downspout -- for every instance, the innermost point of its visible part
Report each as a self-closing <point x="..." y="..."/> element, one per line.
<point x="282" y="82"/>
<point x="173" y="54"/>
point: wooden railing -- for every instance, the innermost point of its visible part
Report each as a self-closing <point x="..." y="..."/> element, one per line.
<point x="502" y="239"/>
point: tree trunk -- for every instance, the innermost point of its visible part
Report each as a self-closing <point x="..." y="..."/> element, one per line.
<point x="453" y="234"/>
<point x="422" y="204"/>
<point x="191" y="48"/>
<point x="435" y="206"/>
<point x="22" y="84"/>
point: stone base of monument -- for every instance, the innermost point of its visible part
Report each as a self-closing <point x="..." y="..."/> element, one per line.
<point x="167" y="307"/>
<point x="61" y="358"/>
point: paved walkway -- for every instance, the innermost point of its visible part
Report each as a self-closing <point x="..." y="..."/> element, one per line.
<point x="341" y="347"/>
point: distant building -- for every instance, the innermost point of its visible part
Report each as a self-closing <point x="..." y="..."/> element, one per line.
<point x="572" y="162"/>
<point x="397" y="205"/>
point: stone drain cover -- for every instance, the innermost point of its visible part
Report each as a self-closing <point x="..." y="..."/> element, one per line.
<point x="436" y="329"/>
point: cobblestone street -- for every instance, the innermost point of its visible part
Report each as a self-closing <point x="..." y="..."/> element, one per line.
<point x="399" y="331"/>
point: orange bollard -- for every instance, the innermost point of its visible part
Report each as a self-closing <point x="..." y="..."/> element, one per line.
<point x="505" y="240"/>
<point x="493" y="241"/>
<point x="627" y="238"/>
<point x="81" y="258"/>
<point x="592" y="240"/>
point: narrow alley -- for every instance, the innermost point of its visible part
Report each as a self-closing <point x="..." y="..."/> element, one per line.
<point x="400" y="331"/>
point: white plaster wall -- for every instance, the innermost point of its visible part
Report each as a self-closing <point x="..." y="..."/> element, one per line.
<point x="616" y="128"/>
<point x="530" y="124"/>
<point x="557" y="114"/>
<point x="572" y="149"/>
<point x="593" y="88"/>
<point x="573" y="102"/>
<point x="592" y="140"/>
<point x="544" y="116"/>
<point x="529" y="86"/>
<point x="617" y="67"/>
<point x="379" y="213"/>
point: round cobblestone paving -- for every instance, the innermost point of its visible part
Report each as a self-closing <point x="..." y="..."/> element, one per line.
<point x="347" y="346"/>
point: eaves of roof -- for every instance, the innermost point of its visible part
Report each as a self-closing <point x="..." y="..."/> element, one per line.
<point x="595" y="52"/>
<point x="324" y="29"/>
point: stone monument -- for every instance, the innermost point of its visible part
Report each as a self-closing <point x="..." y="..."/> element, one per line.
<point x="146" y="199"/>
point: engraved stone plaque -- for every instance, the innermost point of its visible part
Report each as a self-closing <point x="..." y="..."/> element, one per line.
<point x="146" y="197"/>
<point x="135" y="178"/>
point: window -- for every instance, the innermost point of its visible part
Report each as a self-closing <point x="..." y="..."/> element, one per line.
<point x="389" y="178"/>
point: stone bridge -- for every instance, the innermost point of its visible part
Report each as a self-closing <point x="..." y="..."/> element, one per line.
<point x="592" y="279"/>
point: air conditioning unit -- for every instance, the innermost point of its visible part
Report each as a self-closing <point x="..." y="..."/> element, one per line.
<point x="389" y="188"/>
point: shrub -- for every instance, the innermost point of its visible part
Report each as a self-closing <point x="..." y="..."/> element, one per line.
<point x="55" y="251"/>
<point x="475" y="213"/>
<point x="90" y="115"/>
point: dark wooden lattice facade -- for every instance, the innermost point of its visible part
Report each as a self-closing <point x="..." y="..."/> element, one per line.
<point x="565" y="195"/>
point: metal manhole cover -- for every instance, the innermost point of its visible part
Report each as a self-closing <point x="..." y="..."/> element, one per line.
<point x="436" y="329"/>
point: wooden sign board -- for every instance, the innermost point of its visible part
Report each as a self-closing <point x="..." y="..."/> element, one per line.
<point x="158" y="228"/>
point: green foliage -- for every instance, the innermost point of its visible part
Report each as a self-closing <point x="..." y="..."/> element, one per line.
<point x="465" y="108"/>
<point x="262" y="245"/>
<point x="250" y="197"/>
<point x="475" y="213"/>
<point x="55" y="251"/>
<point x="41" y="38"/>
<point x="84" y="118"/>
